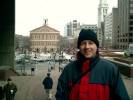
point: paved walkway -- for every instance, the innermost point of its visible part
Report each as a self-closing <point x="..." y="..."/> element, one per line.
<point x="31" y="88"/>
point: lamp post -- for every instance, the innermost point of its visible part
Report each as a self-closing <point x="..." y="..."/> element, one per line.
<point x="60" y="61"/>
<point x="23" y="63"/>
<point x="35" y="61"/>
<point x="24" y="59"/>
<point x="54" y="56"/>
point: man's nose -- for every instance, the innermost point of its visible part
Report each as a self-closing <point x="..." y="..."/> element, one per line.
<point x="87" y="45"/>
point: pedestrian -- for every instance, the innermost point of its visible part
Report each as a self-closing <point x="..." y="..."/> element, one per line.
<point x="1" y="93"/>
<point x="90" y="77"/>
<point x="49" y="69"/>
<point x="50" y="63"/>
<point x="32" y="71"/>
<point x="48" y="83"/>
<point x="10" y="89"/>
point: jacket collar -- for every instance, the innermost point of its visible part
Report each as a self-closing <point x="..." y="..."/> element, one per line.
<point x="81" y="59"/>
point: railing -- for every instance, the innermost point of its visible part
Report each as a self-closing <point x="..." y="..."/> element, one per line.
<point x="126" y="69"/>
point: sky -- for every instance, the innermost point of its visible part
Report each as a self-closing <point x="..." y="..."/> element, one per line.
<point x="30" y="14"/>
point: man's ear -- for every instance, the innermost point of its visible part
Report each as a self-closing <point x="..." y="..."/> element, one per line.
<point x="98" y="49"/>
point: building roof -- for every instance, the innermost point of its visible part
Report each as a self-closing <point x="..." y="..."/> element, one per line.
<point x="44" y="29"/>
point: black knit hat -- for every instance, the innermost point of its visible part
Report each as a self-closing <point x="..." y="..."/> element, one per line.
<point x="87" y="34"/>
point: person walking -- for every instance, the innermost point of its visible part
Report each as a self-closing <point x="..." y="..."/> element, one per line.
<point x="32" y="71"/>
<point x="10" y="89"/>
<point x="90" y="77"/>
<point x="48" y="83"/>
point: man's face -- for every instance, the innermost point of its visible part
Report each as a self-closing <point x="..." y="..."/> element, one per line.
<point x="88" y="48"/>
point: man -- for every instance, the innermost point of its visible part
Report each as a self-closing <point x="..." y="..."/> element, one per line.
<point x="32" y="71"/>
<point x="90" y="77"/>
<point x="48" y="83"/>
<point x="10" y="89"/>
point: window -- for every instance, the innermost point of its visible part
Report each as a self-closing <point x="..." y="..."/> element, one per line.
<point x="131" y="2"/>
<point x="131" y="10"/>
<point x="130" y="34"/>
<point x="130" y="40"/>
<point x="131" y="22"/>
<point x="131" y="16"/>
<point x="131" y="5"/>
<point x="131" y="28"/>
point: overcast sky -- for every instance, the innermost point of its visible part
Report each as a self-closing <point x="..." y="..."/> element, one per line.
<point x="30" y="14"/>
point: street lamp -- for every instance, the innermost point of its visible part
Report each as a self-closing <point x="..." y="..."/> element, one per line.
<point x="24" y="59"/>
<point x="23" y="63"/>
<point x="35" y="61"/>
<point x="60" y="61"/>
<point x="54" y="56"/>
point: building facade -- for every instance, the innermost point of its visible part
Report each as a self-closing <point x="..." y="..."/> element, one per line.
<point x="115" y="28"/>
<point x="102" y="12"/>
<point x="85" y="26"/>
<point x="44" y="39"/>
<point x="108" y="31"/>
<point x="125" y="27"/>
<point x="71" y="27"/>
<point x="89" y="26"/>
<point x="21" y="41"/>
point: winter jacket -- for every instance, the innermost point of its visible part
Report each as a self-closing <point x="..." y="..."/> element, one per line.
<point x="103" y="82"/>
<point x="48" y="83"/>
<point x="10" y="91"/>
